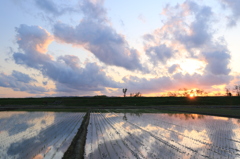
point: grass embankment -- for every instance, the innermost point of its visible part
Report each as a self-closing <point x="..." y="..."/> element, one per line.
<point x="222" y="106"/>
<point x="76" y="149"/>
<point x="120" y="101"/>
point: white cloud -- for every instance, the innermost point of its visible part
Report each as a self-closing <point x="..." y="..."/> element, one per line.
<point x="96" y="35"/>
<point x="66" y="71"/>
<point x="234" y="6"/>
<point x="20" y="82"/>
<point x="186" y="31"/>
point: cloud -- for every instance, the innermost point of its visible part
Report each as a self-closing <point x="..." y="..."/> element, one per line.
<point x="33" y="38"/>
<point x="93" y="9"/>
<point x="159" y="53"/>
<point x="66" y="71"/>
<point x="89" y="78"/>
<point x="178" y="80"/>
<point x="45" y="83"/>
<point x="188" y="23"/>
<point x="70" y="60"/>
<point x="199" y="30"/>
<point x="215" y="52"/>
<point x="217" y="62"/>
<point x="20" y="82"/>
<point x="173" y="68"/>
<point x="48" y="6"/>
<point x="96" y="35"/>
<point x="233" y="5"/>
<point x="56" y="9"/>
<point x="187" y="27"/>
<point x="33" y="41"/>
<point x="148" y="37"/>
<point x="198" y="80"/>
<point x="145" y="86"/>
<point x="210" y="79"/>
<point x="187" y="33"/>
<point x="22" y="77"/>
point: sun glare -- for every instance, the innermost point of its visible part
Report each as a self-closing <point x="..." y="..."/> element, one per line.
<point x="191" y="66"/>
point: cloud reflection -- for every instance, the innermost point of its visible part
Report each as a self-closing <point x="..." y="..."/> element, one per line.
<point x="37" y="134"/>
<point x="162" y="135"/>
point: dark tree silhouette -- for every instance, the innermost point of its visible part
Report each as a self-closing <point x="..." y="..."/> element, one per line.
<point x="228" y="92"/>
<point x="237" y="88"/>
<point x="124" y="91"/>
<point x="138" y="94"/>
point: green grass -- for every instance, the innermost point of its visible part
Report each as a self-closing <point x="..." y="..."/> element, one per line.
<point x="222" y="106"/>
<point x="120" y="101"/>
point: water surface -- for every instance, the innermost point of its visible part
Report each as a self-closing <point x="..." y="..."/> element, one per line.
<point x="37" y="134"/>
<point x="162" y="136"/>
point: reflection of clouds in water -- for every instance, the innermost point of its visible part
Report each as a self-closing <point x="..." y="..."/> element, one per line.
<point x="219" y="118"/>
<point x="37" y="131"/>
<point x="39" y="156"/>
<point x="236" y="122"/>
<point x="7" y="114"/>
<point x="211" y="129"/>
<point x="42" y="121"/>
<point x="112" y="137"/>
<point x="51" y="151"/>
<point x="15" y="130"/>
<point x="23" y="131"/>
<point x="184" y="116"/>
<point x="220" y="134"/>
<point x="109" y="115"/>
<point x="170" y="136"/>
<point x="18" y="122"/>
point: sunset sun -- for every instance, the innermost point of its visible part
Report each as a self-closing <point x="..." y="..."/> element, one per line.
<point x="191" y="95"/>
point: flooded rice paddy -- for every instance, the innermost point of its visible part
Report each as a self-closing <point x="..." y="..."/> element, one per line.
<point x="25" y="135"/>
<point x="163" y="136"/>
<point x="120" y="135"/>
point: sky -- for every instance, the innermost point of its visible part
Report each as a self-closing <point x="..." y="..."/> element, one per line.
<point x="98" y="47"/>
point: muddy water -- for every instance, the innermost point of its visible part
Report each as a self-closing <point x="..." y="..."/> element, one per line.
<point x="118" y="135"/>
<point x="37" y="134"/>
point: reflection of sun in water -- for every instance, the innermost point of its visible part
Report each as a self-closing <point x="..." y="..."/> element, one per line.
<point x="191" y="66"/>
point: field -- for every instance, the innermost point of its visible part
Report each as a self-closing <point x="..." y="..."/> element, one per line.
<point x="117" y="134"/>
<point x="220" y="106"/>
<point x="37" y="134"/>
<point x="104" y="127"/>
